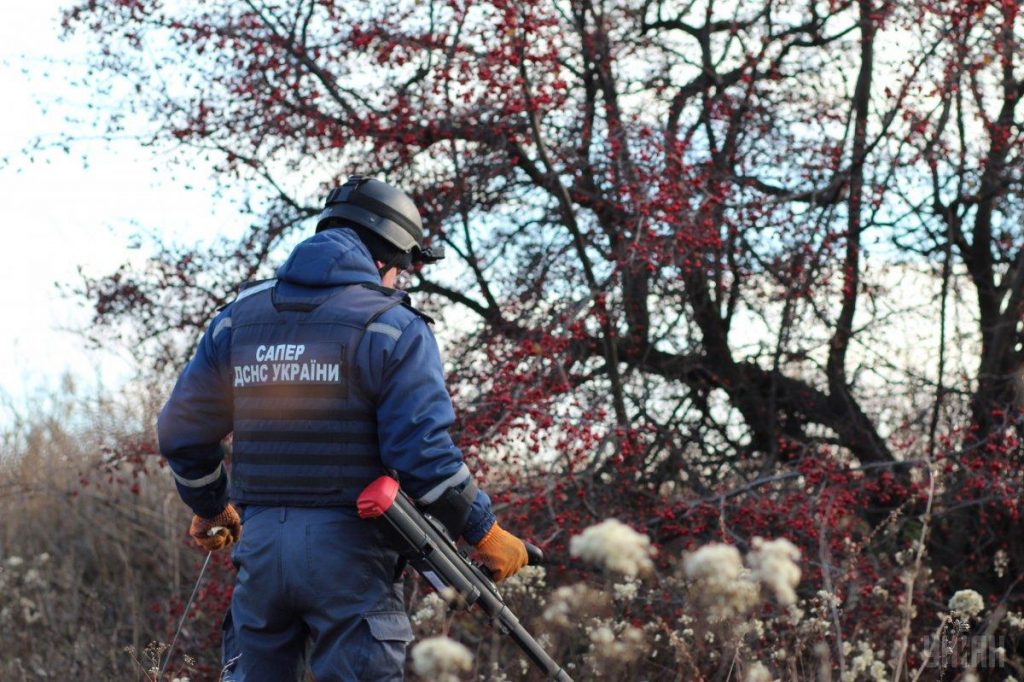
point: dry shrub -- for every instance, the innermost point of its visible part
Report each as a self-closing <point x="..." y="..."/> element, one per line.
<point x="93" y="563"/>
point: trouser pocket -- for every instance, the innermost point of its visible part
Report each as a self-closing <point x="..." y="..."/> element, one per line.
<point x="384" y="657"/>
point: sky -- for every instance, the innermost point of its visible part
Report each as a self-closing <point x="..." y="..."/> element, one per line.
<point x="62" y="213"/>
<point x="58" y="214"/>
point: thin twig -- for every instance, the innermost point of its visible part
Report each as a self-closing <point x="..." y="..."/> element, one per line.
<point x="908" y="607"/>
<point x="184" y="615"/>
<point x="928" y="653"/>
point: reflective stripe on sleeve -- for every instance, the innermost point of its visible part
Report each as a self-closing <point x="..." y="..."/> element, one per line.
<point x="199" y="482"/>
<point x="394" y="332"/>
<point x="435" y="493"/>
<point x="221" y="326"/>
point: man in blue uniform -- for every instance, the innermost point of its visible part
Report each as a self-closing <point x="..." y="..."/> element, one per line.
<point x="327" y="378"/>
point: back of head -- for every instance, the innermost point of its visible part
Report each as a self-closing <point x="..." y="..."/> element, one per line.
<point x="380" y="249"/>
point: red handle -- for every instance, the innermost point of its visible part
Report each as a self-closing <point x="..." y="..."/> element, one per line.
<point x="377" y="497"/>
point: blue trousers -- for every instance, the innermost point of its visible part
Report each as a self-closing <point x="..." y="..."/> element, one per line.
<point x="315" y="587"/>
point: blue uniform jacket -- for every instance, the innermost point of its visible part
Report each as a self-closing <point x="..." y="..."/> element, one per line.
<point x="398" y="362"/>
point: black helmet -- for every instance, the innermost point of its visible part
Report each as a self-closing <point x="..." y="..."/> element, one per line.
<point x="382" y="209"/>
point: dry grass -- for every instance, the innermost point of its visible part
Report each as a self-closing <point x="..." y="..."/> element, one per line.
<point x="87" y="565"/>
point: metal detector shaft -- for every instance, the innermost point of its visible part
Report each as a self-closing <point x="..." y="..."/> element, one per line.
<point x="434" y="555"/>
<point x="184" y="615"/>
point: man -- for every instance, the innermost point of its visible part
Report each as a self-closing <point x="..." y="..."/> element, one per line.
<point x="327" y="378"/>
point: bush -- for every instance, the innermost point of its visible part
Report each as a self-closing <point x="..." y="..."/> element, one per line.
<point x="94" y="562"/>
<point x="95" y="566"/>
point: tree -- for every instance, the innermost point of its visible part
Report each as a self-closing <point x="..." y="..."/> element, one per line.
<point x="687" y="234"/>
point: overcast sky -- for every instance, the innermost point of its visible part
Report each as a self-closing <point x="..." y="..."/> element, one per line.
<point x="57" y="215"/>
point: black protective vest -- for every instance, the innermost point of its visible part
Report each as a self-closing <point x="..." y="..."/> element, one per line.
<point x="305" y="432"/>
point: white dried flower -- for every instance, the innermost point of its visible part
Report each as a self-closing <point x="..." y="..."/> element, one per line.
<point x="866" y="661"/>
<point x="714" y="560"/>
<point x="560" y="609"/>
<point x="496" y="673"/>
<point x="602" y="636"/>
<point x="530" y="582"/>
<point x="633" y="637"/>
<point x="758" y="673"/>
<point x="774" y="564"/>
<point x="33" y="578"/>
<point x="441" y="659"/>
<point x="569" y="603"/>
<point x="431" y="611"/>
<point x="15" y="561"/>
<point x="721" y="587"/>
<point x="753" y="627"/>
<point x="625" y="647"/>
<point x="1000" y="562"/>
<point x="967" y="603"/>
<point x="626" y="591"/>
<point x="794" y="614"/>
<point x="615" y="547"/>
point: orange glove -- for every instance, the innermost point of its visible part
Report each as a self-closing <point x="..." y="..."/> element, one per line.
<point x="218" y="532"/>
<point x="502" y="552"/>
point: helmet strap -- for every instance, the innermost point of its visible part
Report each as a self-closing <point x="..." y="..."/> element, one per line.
<point x="390" y="264"/>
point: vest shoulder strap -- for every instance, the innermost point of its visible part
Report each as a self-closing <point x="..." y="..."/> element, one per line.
<point x="395" y="298"/>
<point x="401" y="299"/>
<point x="426" y="318"/>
